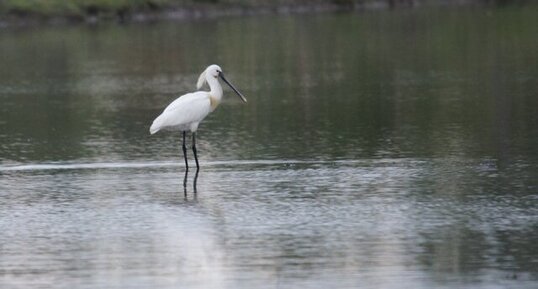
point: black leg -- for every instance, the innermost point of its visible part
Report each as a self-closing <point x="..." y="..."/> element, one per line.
<point x="185" y="153"/>
<point x="186" y="164"/>
<point x="194" y="151"/>
<point x="195" y="181"/>
<point x="185" y="184"/>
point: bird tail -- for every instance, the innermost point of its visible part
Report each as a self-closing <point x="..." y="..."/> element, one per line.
<point x="156" y="125"/>
<point x="153" y="129"/>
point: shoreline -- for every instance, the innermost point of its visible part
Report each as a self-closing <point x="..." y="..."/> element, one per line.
<point x="209" y="11"/>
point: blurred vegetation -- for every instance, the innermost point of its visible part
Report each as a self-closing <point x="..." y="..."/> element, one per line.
<point x="78" y="7"/>
<point x="120" y="8"/>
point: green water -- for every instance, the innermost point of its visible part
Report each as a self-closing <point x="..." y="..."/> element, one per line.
<point x="377" y="150"/>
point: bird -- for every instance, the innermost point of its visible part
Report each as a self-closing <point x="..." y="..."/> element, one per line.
<point x="187" y="111"/>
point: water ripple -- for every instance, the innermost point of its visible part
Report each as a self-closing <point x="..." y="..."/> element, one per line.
<point x="161" y="164"/>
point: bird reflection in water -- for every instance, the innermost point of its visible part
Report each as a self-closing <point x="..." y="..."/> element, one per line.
<point x="194" y="182"/>
<point x="187" y="111"/>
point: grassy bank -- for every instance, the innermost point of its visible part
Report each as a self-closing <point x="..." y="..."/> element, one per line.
<point x="80" y="10"/>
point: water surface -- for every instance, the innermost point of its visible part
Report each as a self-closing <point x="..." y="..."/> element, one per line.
<point x="384" y="149"/>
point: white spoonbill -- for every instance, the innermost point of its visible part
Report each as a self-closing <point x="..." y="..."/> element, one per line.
<point x="187" y="111"/>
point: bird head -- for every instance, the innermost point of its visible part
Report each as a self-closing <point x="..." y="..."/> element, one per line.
<point x="215" y="71"/>
<point x="211" y="71"/>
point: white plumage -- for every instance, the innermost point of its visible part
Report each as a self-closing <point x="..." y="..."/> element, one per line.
<point x="184" y="114"/>
<point x="187" y="111"/>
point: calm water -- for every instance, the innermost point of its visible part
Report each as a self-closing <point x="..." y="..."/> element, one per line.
<point x="377" y="150"/>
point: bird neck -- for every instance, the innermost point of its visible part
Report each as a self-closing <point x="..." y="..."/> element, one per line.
<point x="215" y="88"/>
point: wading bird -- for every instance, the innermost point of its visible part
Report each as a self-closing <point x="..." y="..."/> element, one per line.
<point x="187" y="111"/>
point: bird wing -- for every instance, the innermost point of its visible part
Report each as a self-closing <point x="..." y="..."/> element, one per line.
<point x="189" y="108"/>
